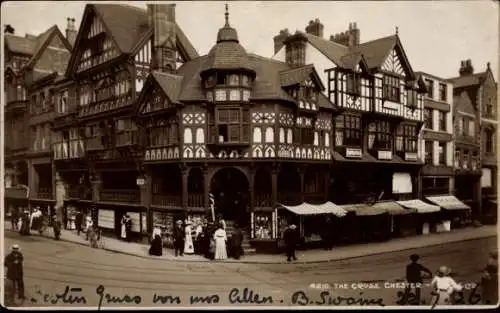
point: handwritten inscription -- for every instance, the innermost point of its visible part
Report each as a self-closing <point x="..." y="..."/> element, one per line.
<point x="68" y="296"/>
<point x="111" y="299"/>
<point x="248" y="296"/>
<point x="301" y="298"/>
<point x="210" y="299"/>
<point x="166" y="299"/>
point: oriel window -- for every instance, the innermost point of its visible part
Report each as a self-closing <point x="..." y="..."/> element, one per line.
<point x="380" y="135"/>
<point x="353" y="83"/>
<point x="348" y="130"/>
<point x="391" y="88"/>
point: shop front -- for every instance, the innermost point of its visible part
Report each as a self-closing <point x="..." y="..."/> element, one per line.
<point x="402" y="220"/>
<point x="427" y="216"/>
<point x="366" y="223"/>
<point x="109" y="219"/>
<point x="455" y="213"/>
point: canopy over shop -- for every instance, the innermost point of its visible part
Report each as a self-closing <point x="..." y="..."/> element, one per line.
<point x="455" y="212"/>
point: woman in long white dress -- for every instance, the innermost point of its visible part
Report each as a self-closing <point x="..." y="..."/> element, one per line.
<point x="220" y="243"/>
<point x="188" y="239"/>
<point x="444" y="286"/>
<point x="123" y="230"/>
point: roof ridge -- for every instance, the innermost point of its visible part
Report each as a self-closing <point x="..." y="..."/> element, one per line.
<point x="120" y="5"/>
<point x="265" y="58"/>
<point x="166" y="74"/>
<point x="378" y="39"/>
<point x="324" y="39"/>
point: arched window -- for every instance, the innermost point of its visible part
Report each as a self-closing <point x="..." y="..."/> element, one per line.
<point x="282" y="135"/>
<point x="327" y="139"/>
<point x="200" y="135"/>
<point x="289" y="136"/>
<point x="269" y="135"/>
<point x="188" y="135"/>
<point x="257" y="135"/>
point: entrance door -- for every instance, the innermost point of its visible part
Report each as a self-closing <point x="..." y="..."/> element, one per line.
<point x="230" y="189"/>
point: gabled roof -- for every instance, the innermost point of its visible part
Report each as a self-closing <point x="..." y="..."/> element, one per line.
<point x="332" y="50"/>
<point x="376" y="51"/>
<point x="300" y="74"/>
<point x="351" y="60"/>
<point x="17" y="44"/>
<point x="128" y="27"/>
<point x="469" y="80"/>
<point x="43" y="40"/>
<point x="170" y="84"/>
<point x="463" y="102"/>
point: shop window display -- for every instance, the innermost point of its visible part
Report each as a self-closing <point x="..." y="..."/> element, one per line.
<point x="263" y="225"/>
<point x="165" y="222"/>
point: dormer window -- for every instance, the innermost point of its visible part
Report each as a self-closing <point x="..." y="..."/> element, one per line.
<point x="391" y="89"/>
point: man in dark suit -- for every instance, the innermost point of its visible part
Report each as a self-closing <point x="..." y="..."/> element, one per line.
<point x="414" y="276"/>
<point x="291" y="239"/>
<point x="236" y="241"/>
<point x="179" y="238"/>
<point x="14" y="264"/>
<point x="78" y="222"/>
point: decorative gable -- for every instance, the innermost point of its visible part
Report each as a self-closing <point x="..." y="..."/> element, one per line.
<point x="393" y="64"/>
<point x="153" y="98"/>
<point x="96" y="28"/>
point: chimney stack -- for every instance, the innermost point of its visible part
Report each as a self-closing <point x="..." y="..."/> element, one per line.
<point x="279" y="39"/>
<point x="71" y="31"/>
<point x="162" y="19"/>
<point x="466" y="68"/>
<point x="315" y="28"/>
<point x="349" y="38"/>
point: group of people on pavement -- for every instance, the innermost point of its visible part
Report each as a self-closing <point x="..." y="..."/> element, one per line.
<point x="205" y="238"/>
<point x="25" y="222"/>
<point x="444" y="286"/>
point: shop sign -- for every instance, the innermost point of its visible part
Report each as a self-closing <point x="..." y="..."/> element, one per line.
<point x="391" y="105"/>
<point x="384" y="155"/>
<point x="353" y="153"/>
<point x="410" y="156"/>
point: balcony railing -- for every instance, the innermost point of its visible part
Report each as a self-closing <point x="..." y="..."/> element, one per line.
<point x="106" y="105"/>
<point x="128" y="138"/>
<point x="196" y="200"/>
<point x="121" y="195"/>
<point x="263" y="200"/>
<point x="166" y="200"/>
<point x="44" y="193"/>
<point x="79" y="192"/>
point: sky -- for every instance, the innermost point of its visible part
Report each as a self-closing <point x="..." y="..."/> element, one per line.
<point x="436" y="35"/>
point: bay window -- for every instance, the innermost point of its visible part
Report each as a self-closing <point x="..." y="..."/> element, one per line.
<point x="411" y="98"/>
<point x="76" y="147"/>
<point x="379" y="135"/>
<point x="94" y="136"/>
<point x="126" y="132"/>
<point x="232" y="125"/>
<point x="406" y="138"/>
<point x="391" y="88"/>
<point x="348" y="130"/>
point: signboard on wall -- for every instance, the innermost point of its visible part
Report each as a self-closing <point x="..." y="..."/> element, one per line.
<point x="106" y="219"/>
<point x="410" y="156"/>
<point x="353" y="153"/>
<point x="401" y="183"/>
<point x="486" y="178"/>
<point x="136" y="221"/>
<point x="384" y="155"/>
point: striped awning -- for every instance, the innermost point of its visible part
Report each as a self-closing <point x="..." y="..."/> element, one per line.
<point x="394" y="208"/>
<point x="316" y="209"/>
<point x="364" y="209"/>
<point x="449" y="202"/>
<point x="420" y="206"/>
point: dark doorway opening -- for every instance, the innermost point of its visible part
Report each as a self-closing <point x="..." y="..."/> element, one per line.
<point x="230" y="189"/>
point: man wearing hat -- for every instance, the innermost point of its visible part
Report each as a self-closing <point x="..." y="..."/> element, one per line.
<point x="179" y="238"/>
<point x="414" y="277"/>
<point x="291" y="238"/>
<point x="14" y="264"/>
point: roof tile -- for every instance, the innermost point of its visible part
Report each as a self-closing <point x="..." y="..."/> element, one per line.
<point x="171" y="84"/>
<point x="19" y="44"/>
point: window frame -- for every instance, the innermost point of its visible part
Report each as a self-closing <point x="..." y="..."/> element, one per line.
<point x="382" y="132"/>
<point x="241" y="124"/>
<point x="429" y="152"/>
<point x="442" y="121"/>
<point x="429" y="118"/>
<point x="429" y="84"/>
<point x="391" y="88"/>
<point x="353" y="83"/>
<point x="351" y="135"/>
<point x="442" y="153"/>
<point x="409" y="135"/>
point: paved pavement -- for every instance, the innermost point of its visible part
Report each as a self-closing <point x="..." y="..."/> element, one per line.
<point x="308" y="256"/>
<point x="50" y="266"/>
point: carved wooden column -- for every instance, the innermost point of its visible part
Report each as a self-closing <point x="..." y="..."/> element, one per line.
<point x="206" y="189"/>
<point x="274" y="184"/>
<point x="251" y="188"/>
<point x="302" y="171"/>
<point x="185" y="176"/>
<point x="96" y="187"/>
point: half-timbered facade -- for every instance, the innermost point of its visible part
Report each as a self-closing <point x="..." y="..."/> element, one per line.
<point x="248" y="130"/>
<point x="381" y="110"/>
<point x="475" y="132"/>
<point x="97" y="147"/>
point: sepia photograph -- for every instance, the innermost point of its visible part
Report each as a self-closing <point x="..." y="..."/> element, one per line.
<point x="249" y="154"/>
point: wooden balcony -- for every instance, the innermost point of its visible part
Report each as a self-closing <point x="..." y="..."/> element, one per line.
<point x="106" y="105"/>
<point x="121" y="195"/>
<point x="16" y="192"/>
<point x="166" y="200"/>
<point x="79" y="192"/>
<point x="44" y="193"/>
<point x="125" y="139"/>
<point x="196" y="200"/>
<point x="263" y="200"/>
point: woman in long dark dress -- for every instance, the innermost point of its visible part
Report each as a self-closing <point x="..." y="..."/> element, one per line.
<point x="156" y="246"/>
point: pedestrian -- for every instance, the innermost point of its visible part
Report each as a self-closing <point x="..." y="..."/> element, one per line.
<point x="156" y="246"/>
<point x="57" y="227"/>
<point x="14" y="264"/>
<point x="220" y="238"/>
<point x="78" y="222"/>
<point x="188" y="240"/>
<point x="88" y="226"/>
<point x="291" y="240"/>
<point x="128" y="228"/>
<point x="236" y="241"/>
<point x="443" y="287"/>
<point x="489" y="280"/>
<point x="179" y="239"/>
<point x="25" y="224"/>
<point x="414" y="279"/>
<point x="221" y="221"/>
<point x="14" y="217"/>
